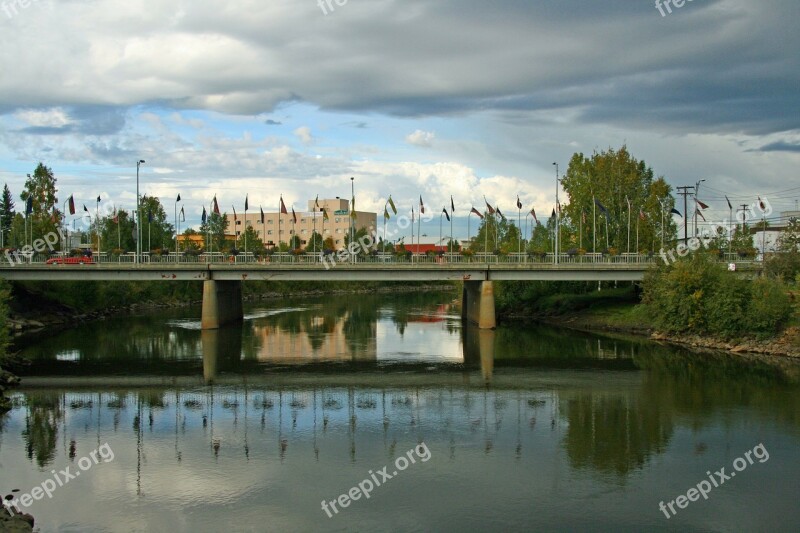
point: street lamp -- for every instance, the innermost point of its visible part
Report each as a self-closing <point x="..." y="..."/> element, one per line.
<point x="138" y="214"/>
<point x="558" y="212"/>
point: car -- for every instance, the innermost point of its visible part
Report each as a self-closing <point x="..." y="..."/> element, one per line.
<point x="83" y="260"/>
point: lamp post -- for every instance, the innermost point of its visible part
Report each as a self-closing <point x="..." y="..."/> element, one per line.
<point x="558" y="213"/>
<point x="138" y="215"/>
<point x="352" y="211"/>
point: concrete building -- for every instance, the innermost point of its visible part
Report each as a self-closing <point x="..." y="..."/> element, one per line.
<point x="336" y="226"/>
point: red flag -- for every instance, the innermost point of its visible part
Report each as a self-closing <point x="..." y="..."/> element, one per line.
<point x="761" y="204"/>
<point x="283" y="207"/>
<point x="234" y="213"/>
<point x="421" y="206"/>
<point x="701" y="204"/>
<point x="294" y="216"/>
<point x="701" y="215"/>
<point x="216" y="205"/>
<point x="533" y="212"/>
<point x="480" y="215"/>
<point x="488" y="207"/>
<point x="519" y="204"/>
<point x="116" y="216"/>
<point x="71" y="205"/>
<point x="642" y="216"/>
<point x="262" y="214"/>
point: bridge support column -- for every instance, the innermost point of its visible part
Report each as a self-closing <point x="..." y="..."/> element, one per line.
<point x="477" y="304"/>
<point x="222" y="303"/>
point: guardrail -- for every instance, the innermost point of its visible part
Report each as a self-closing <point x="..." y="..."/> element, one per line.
<point x="377" y="259"/>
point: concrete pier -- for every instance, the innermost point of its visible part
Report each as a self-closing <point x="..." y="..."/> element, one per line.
<point x="477" y="304"/>
<point x="222" y="303"/>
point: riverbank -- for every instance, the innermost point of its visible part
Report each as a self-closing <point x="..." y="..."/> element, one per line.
<point x="21" y="523"/>
<point x="43" y="313"/>
<point x="632" y="319"/>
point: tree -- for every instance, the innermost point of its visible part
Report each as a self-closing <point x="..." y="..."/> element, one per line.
<point x="187" y="243"/>
<point x="6" y="213"/>
<point x="215" y="225"/>
<point x="254" y="243"/>
<point x="328" y="244"/>
<point x="41" y="189"/>
<point x="156" y="231"/>
<point x="294" y="242"/>
<point x="542" y="239"/>
<point x="315" y="242"/>
<point x="117" y="232"/>
<point x="608" y="178"/>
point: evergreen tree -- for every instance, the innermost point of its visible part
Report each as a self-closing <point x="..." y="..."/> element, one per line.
<point x="41" y="189"/>
<point x="6" y="213"/>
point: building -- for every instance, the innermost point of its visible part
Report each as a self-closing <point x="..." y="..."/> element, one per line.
<point x="276" y="227"/>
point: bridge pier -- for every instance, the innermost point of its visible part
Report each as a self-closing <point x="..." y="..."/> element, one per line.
<point x="477" y="304"/>
<point x="222" y="303"/>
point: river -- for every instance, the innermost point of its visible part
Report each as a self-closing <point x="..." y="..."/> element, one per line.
<point x="399" y="419"/>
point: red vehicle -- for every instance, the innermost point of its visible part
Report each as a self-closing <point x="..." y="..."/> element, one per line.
<point x="83" y="260"/>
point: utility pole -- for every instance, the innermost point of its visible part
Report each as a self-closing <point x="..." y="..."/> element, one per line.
<point x="744" y="210"/>
<point x="685" y="192"/>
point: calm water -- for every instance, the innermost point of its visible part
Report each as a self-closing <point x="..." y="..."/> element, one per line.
<point x="525" y="428"/>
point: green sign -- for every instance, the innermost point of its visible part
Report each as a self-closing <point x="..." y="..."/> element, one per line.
<point x="341" y="212"/>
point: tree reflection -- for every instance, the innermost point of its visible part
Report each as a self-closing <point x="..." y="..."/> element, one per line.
<point x="44" y="414"/>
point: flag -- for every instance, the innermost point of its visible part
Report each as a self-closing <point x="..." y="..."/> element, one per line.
<point x="602" y="209"/>
<point x="84" y="208"/>
<point x="98" y="198"/>
<point x="116" y="216"/>
<point x="583" y="216"/>
<point x="444" y="210"/>
<point x="500" y="213"/>
<point x="316" y="202"/>
<point x="385" y="214"/>
<point x="533" y="212"/>
<point x="262" y="214"/>
<point x="729" y="202"/>
<point x="553" y="214"/>
<point x="325" y="214"/>
<point x="452" y="205"/>
<point x="519" y="204"/>
<point x="216" y="205"/>
<point x="29" y="206"/>
<point x="183" y="215"/>
<point x="701" y="204"/>
<point x="642" y="216"/>
<point x="412" y="217"/>
<point x="391" y="204"/>
<point x="701" y="214"/>
<point x="294" y="216"/>
<point x="488" y="207"/>
<point x="675" y="212"/>
<point x="421" y="206"/>
<point x="283" y="207"/>
<point x="761" y="204"/>
<point x="178" y="199"/>
<point x="473" y="210"/>
<point x="234" y="214"/>
<point x="71" y="205"/>
<point x="149" y="216"/>
<point x="246" y="203"/>
<point x="204" y="216"/>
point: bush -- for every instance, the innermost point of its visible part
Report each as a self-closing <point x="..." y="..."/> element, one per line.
<point x="698" y="295"/>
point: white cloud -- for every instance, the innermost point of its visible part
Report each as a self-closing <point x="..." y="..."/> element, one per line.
<point x="304" y="134"/>
<point x="421" y="138"/>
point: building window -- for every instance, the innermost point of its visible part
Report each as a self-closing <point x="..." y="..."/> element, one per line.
<point x="337" y="219"/>
<point x="269" y="221"/>
<point x="269" y="232"/>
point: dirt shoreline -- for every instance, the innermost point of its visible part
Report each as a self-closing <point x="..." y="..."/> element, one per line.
<point x="787" y="344"/>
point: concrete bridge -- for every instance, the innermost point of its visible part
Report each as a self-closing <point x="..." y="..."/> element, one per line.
<point x="222" y="276"/>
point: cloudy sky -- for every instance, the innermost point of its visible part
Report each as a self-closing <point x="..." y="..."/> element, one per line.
<point x="432" y="97"/>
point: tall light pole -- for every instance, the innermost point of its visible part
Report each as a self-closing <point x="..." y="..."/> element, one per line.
<point x="352" y="211"/>
<point x="558" y="215"/>
<point x="138" y="215"/>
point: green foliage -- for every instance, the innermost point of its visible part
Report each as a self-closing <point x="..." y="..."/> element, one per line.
<point x="6" y="212"/>
<point x="496" y="233"/>
<point x="216" y="225"/>
<point x="314" y="243"/>
<point x="4" y="332"/>
<point x="254" y="243"/>
<point x="41" y="188"/>
<point x="698" y="295"/>
<point x="610" y="177"/>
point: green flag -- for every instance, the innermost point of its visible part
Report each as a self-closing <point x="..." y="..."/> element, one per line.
<point x="391" y="204"/>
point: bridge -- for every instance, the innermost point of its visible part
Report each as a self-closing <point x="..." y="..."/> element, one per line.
<point x="222" y="274"/>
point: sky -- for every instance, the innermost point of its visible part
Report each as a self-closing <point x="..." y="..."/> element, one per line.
<point x="411" y="98"/>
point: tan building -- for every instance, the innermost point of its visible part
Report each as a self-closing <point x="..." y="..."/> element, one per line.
<point x="336" y="226"/>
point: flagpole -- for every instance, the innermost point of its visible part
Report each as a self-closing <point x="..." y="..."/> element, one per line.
<point x="594" y="225"/>
<point x="519" y="227"/>
<point x="97" y="223"/>
<point x="450" y="240"/>
<point x="580" y="230"/>
<point x="245" y="228"/>
<point x="637" y="232"/>
<point x="629" y="224"/>
<point x="119" y="233"/>
<point x="279" y="223"/>
<point x="176" y="224"/>
<point x="440" y="225"/>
